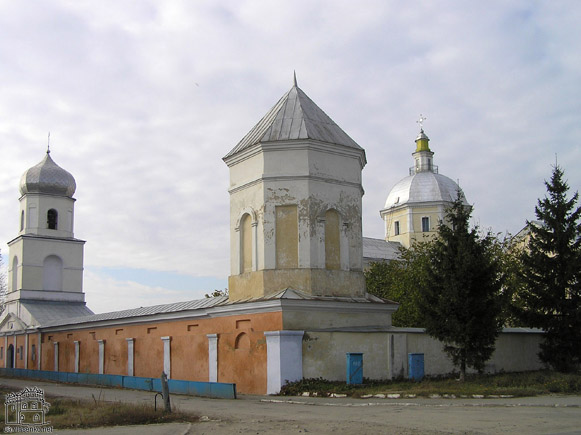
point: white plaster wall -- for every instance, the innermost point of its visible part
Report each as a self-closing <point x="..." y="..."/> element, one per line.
<point x="324" y="353"/>
<point x="515" y="351"/>
<point x="31" y="253"/>
<point x="246" y="170"/>
<point x="313" y="318"/>
<point x="251" y="197"/>
<point x="313" y="176"/>
<point x="43" y="203"/>
<point x="284" y="358"/>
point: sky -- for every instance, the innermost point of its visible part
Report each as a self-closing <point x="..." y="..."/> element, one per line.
<point x="142" y="100"/>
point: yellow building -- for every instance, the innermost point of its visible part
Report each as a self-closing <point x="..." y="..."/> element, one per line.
<point x="417" y="203"/>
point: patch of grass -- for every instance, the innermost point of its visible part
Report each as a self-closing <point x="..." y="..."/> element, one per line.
<point x="77" y="414"/>
<point x="514" y="384"/>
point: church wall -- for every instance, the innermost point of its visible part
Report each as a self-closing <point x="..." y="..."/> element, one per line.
<point x="515" y="351"/>
<point x="401" y="216"/>
<point x="334" y="164"/>
<point x="19" y="347"/>
<point x="312" y="318"/>
<point x="37" y="250"/>
<point x="241" y="348"/>
<point x="313" y="177"/>
<point x="247" y="170"/>
<point x="33" y="356"/>
<point x="324" y="354"/>
<point x="35" y="220"/>
<point x="410" y="223"/>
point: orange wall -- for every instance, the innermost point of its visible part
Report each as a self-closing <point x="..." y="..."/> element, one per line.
<point x="33" y="359"/>
<point x="241" y="349"/>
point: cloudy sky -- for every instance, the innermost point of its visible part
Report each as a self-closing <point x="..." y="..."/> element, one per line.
<point x="144" y="98"/>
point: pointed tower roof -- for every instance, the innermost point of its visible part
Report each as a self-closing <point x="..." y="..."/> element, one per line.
<point x="295" y="117"/>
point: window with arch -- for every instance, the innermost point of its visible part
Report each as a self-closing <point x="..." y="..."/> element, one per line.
<point x="332" y="240"/>
<point x="22" y="220"/>
<point x="242" y="341"/>
<point x="425" y="224"/>
<point x="52" y="219"/>
<point x="52" y="273"/>
<point x="246" y="243"/>
<point x="14" y="273"/>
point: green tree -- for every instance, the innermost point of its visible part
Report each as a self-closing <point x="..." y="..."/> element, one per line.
<point x="217" y="293"/>
<point x="552" y="275"/>
<point x="508" y="253"/>
<point x="461" y="301"/>
<point x="400" y="281"/>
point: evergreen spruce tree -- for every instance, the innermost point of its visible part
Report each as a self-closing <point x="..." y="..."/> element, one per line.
<point x="551" y="272"/>
<point x="461" y="301"/>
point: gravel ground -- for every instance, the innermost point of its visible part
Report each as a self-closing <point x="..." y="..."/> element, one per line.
<point x="278" y="415"/>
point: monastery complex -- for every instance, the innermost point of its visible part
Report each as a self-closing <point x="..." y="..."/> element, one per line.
<point x="297" y="301"/>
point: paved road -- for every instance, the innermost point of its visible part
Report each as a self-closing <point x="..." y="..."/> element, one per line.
<point x="276" y="415"/>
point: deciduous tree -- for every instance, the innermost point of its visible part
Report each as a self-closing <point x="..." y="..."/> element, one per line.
<point x="400" y="280"/>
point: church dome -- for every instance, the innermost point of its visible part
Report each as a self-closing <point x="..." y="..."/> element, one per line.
<point x="48" y="177"/>
<point x="426" y="186"/>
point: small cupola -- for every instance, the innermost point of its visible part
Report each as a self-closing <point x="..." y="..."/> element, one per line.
<point x="422" y="142"/>
<point x="423" y="155"/>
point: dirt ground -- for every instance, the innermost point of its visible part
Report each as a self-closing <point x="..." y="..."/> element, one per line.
<point x="281" y="415"/>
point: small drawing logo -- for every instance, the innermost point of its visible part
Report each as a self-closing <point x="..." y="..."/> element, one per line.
<point x="25" y="411"/>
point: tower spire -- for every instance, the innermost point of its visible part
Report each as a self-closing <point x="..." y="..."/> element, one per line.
<point x="48" y="144"/>
<point x="295" y="79"/>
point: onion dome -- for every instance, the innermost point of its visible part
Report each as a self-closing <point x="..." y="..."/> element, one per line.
<point x="48" y="177"/>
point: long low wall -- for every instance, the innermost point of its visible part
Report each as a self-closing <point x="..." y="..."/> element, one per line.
<point x="385" y="353"/>
<point x="216" y="390"/>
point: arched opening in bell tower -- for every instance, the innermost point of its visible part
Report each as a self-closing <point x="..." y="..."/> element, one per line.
<point x="52" y="219"/>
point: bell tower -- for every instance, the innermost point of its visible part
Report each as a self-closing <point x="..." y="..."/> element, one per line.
<point x="45" y="259"/>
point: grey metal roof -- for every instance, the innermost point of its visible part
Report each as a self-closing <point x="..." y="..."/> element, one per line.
<point x="47" y="312"/>
<point x="143" y="311"/>
<point x="423" y="187"/>
<point x="295" y="116"/>
<point x="48" y="177"/>
<point x="379" y="249"/>
<point x="200" y="304"/>
<point x="290" y="293"/>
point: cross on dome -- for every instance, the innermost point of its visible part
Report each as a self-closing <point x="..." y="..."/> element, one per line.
<point x="421" y="121"/>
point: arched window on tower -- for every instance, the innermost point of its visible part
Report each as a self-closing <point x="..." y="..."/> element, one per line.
<point x="246" y="243"/>
<point x="22" y="220"/>
<point x="52" y="273"/>
<point x="332" y="240"/>
<point x="15" y="274"/>
<point x="52" y="217"/>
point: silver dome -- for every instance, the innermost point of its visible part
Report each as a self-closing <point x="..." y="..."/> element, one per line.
<point x="48" y="177"/>
<point x="423" y="187"/>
